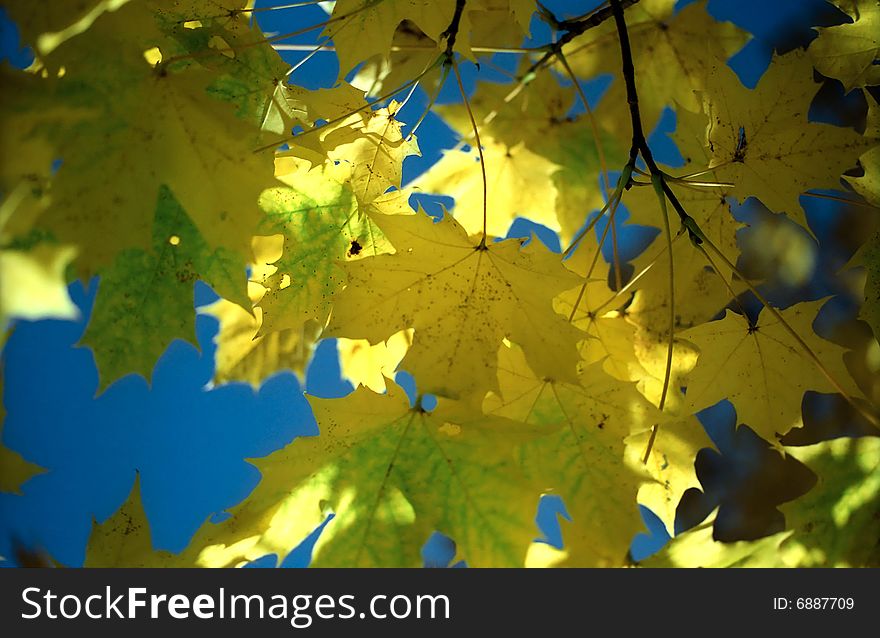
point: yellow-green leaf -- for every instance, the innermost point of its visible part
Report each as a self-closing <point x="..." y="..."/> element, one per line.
<point x="462" y="298"/>
<point x="583" y="461"/>
<point x="762" y="370"/>
<point x="850" y="52"/>
<point x="761" y="141"/>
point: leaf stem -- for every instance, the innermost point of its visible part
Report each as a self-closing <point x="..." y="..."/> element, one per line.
<point x="639" y="147"/>
<point x="657" y="181"/>
<point x="594" y="260"/>
<point x="634" y="280"/>
<point x="430" y="105"/>
<point x="396" y="48"/>
<point x="574" y="28"/>
<point x="478" y="144"/>
<point x="594" y="129"/>
<point x="279" y="7"/>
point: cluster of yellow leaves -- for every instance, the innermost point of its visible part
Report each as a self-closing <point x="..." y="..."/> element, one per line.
<point x="189" y="156"/>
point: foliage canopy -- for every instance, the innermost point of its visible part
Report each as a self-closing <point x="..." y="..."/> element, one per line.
<point x="155" y="143"/>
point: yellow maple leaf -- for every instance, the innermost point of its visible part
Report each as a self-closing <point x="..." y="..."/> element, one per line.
<point x="377" y="467"/>
<point x="491" y="24"/>
<point x="672" y="52"/>
<point x="124" y="539"/>
<point x="584" y="460"/>
<point x="245" y="355"/>
<point x="629" y="349"/>
<point x="868" y="256"/>
<point x="670" y="464"/>
<point x="411" y="53"/>
<point x="370" y="366"/>
<point x="698" y="548"/>
<point x="317" y="217"/>
<point x="540" y="163"/>
<point x="868" y="185"/>
<point x="761" y="369"/>
<point x="362" y="29"/>
<point x="33" y="284"/>
<point x="462" y="298"/>
<point x="375" y="151"/>
<point x="761" y="141"/>
<point x="699" y="293"/>
<point x="149" y="126"/>
<point x="519" y="183"/>
<point x="849" y="52"/>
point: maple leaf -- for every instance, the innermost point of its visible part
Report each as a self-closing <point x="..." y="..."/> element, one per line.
<point x="379" y="466"/>
<point x="244" y="355"/>
<point x="365" y="28"/>
<point x="868" y="185"/>
<point x="760" y="140"/>
<point x="674" y="53"/>
<point x="849" y="52"/>
<point x="834" y="522"/>
<point x="761" y="369"/>
<point x="594" y="295"/>
<point x="412" y="52"/>
<point x="616" y="345"/>
<point x="519" y="183"/>
<point x="628" y="351"/>
<point x="15" y="470"/>
<point x="318" y="218"/>
<point x="442" y="283"/>
<point x="375" y="151"/>
<point x="149" y="127"/>
<point x="145" y="299"/>
<point x="124" y="538"/>
<point x="592" y="308"/>
<point x="699" y="294"/>
<point x="340" y="107"/>
<point x="247" y="72"/>
<point x="535" y="155"/>
<point x="370" y="365"/>
<point x="670" y="464"/>
<point x="362" y="29"/>
<point x="869" y="257"/>
<point x="584" y="460"/>
<point x="33" y="284"/>
<point x="697" y="548"/>
<point x="825" y="528"/>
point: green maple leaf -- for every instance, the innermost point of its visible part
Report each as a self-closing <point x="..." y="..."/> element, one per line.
<point x="145" y="299"/>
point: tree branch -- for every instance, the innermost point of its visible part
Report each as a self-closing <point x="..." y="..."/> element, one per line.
<point x="639" y="141"/>
<point x="574" y="28"/>
<point x="452" y="30"/>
